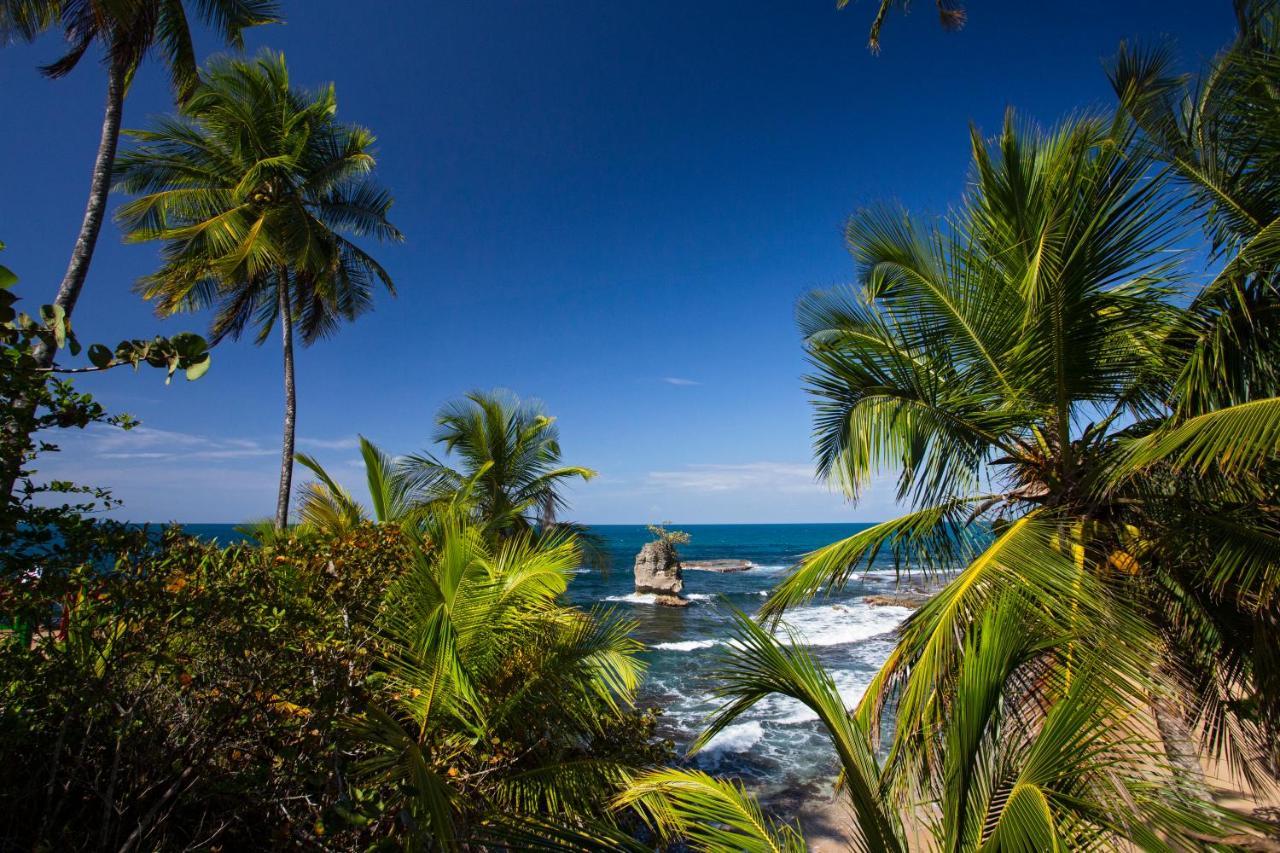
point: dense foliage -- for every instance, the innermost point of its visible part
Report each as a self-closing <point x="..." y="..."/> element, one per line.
<point x="299" y="694"/>
<point x="1092" y="442"/>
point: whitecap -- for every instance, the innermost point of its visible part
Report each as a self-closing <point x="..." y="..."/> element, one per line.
<point x="736" y="738"/>
<point x="699" y="596"/>
<point x="840" y="624"/>
<point x="634" y="598"/>
<point x="685" y="645"/>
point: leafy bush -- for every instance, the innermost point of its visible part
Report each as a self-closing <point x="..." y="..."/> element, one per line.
<point x="195" y="695"/>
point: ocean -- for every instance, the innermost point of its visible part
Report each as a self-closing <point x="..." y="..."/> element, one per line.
<point x="778" y="746"/>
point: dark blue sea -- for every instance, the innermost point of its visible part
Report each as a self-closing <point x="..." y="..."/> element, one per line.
<point x="778" y="745"/>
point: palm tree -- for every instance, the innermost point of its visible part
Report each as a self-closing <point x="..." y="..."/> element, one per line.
<point x="1209" y="476"/>
<point x="497" y="696"/>
<point x="254" y="188"/>
<point x="1029" y="758"/>
<point x="509" y="452"/>
<point x="127" y="30"/>
<point x="1006" y="364"/>
<point x="326" y="507"/>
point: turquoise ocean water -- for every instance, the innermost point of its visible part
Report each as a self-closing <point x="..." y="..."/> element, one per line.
<point x="777" y="746"/>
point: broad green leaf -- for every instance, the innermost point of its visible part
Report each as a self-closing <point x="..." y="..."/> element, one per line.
<point x="199" y="368"/>
<point x="99" y="356"/>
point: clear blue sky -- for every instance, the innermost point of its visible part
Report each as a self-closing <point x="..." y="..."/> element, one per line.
<point x="609" y="206"/>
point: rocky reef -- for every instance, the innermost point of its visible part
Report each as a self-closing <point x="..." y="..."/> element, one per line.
<point x="722" y="566"/>
<point x="658" y="572"/>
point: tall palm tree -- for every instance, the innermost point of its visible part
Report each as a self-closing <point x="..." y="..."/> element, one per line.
<point x="509" y="452"/>
<point x="127" y="31"/>
<point x="1005" y="364"/>
<point x="255" y="190"/>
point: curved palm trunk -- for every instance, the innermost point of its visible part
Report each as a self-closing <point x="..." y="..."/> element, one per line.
<point x="18" y="426"/>
<point x="99" y="188"/>
<point x="290" y="404"/>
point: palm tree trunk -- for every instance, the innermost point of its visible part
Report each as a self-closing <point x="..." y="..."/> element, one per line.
<point x="77" y="269"/>
<point x="290" y="403"/>
<point x="1178" y="740"/>
<point x="99" y="188"/>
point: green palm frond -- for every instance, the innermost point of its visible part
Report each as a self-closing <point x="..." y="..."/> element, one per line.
<point x="1235" y="440"/>
<point x="934" y="539"/>
<point x="707" y="813"/>
<point x="758" y="665"/>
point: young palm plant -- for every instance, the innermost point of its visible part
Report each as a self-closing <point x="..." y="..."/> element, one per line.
<point x="256" y="190"/>
<point x="1031" y="758"/>
<point x="497" y="697"/>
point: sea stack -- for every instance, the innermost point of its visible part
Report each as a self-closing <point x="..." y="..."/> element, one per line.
<point x="658" y="573"/>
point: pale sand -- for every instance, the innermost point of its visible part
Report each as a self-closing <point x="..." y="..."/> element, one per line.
<point x="828" y="823"/>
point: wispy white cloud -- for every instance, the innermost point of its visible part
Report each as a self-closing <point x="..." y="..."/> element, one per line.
<point x="680" y="381"/>
<point x="330" y="443"/>
<point x="786" y="477"/>
<point x="147" y="443"/>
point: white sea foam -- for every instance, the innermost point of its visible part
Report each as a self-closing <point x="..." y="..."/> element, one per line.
<point x="634" y="598"/>
<point x="736" y="738"/>
<point x="700" y="596"/>
<point x="787" y="711"/>
<point x="839" y="624"/>
<point x="686" y="645"/>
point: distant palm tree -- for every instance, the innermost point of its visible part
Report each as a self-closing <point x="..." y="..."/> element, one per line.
<point x="509" y="454"/>
<point x="326" y="507"/>
<point x="253" y="188"/>
<point x="127" y="30"/>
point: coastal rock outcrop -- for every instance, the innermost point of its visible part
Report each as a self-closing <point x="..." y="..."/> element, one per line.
<point x="910" y="600"/>
<point x="722" y="566"/>
<point x="658" y="573"/>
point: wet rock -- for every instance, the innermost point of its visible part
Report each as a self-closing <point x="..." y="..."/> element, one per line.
<point x="722" y="566"/>
<point x="658" y="572"/>
<point x="912" y="600"/>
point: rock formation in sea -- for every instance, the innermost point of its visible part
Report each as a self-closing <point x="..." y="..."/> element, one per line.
<point x="658" y="573"/>
<point x="911" y="600"/>
<point x="722" y="566"/>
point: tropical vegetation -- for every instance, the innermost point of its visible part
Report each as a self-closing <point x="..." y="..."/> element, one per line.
<point x="1096" y="454"/>
<point x="1084" y="426"/>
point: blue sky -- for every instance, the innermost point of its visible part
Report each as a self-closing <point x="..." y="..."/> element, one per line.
<point x="608" y="206"/>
